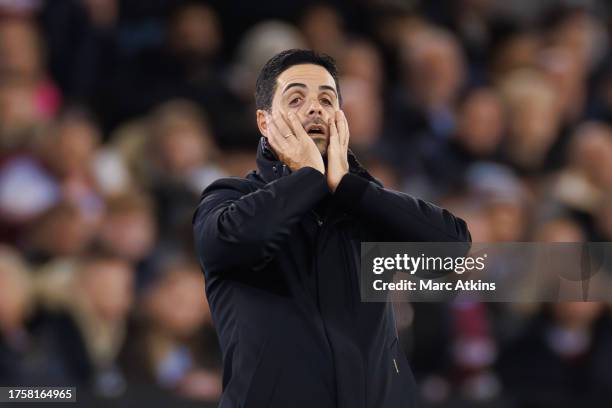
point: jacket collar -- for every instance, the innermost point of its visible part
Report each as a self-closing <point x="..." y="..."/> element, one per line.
<point x="270" y="168"/>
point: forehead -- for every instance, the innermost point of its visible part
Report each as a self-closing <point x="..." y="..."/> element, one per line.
<point x="310" y="75"/>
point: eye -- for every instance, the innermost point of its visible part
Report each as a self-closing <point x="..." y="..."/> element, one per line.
<point x="294" y="101"/>
<point x="326" y="101"/>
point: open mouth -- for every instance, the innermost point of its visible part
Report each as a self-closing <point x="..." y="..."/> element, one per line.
<point x="316" y="130"/>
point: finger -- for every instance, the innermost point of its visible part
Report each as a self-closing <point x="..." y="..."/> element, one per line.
<point x="280" y="130"/>
<point x="343" y="131"/>
<point x="283" y="128"/>
<point x="274" y="136"/>
<point x="334" y="140"/>
<point x="296" y="126"/>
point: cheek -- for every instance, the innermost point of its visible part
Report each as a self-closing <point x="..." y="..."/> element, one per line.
<point x="330" y="111"/>
<point x="284" y="109"/>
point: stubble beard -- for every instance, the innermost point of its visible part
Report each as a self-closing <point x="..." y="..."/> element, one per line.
<point x="321" y="144"/>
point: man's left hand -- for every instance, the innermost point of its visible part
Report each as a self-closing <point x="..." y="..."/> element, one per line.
<point x="337" y="150"/>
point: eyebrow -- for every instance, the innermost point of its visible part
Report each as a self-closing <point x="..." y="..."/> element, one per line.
<point x="328" y="88"/>
<point x="300" y="85"/>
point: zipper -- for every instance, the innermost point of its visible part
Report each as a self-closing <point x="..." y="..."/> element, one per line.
<point x="320" y="232"/>
<point x="320" y="221"/>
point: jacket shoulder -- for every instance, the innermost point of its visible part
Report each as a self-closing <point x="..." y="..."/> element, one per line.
<point x="224" y="188"/>
<point x="243" y="185"/>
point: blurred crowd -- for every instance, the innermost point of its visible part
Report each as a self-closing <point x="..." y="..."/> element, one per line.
<point x="114" y="115"/>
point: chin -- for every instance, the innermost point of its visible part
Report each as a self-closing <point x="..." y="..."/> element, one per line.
<point x="321" y="145"/>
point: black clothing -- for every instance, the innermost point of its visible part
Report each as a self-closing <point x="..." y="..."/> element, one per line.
<point x="538" y="376"/>
<point x="282" y="280"/>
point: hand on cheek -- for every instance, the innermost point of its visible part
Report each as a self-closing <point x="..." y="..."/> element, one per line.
<point x="337" y="150"/>
<point x="291" y="142"/>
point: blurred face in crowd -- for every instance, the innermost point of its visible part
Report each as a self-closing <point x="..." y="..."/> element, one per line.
<point x="62" y="231"/>
<point x="322" y="28"/>
<point x="591" y="153"/>
<point x="15" y="290"/>
<point x="195" y="31"/>
<point x="102" y="12"/>
<point x="507" y="221"/>
<point x="19" y="49"/>
<point x="583" y="34"/>
<point x="364" y="111"/>
<point x="107" y="286"/>
<point x="182" y="148"/>
<point x="17" y="106"/>
<point x="360" y="59"/>
<point x="309" y="91"/>
<point x="566" y="73"/>
<point x="435" y="67"/>
<point x="480" y="123"/>
<point x="182" y="138"/>
<point x="176" y="303"/>
<point x="72" y="150"/>
<point x="533" y="115"/>
<point x="533" y="122"/>
<point x="129" y="233"/>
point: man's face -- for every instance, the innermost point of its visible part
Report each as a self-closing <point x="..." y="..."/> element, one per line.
<point x="310" y="92"/>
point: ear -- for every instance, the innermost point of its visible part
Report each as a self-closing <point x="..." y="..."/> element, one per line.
<point x="261" y="122"/>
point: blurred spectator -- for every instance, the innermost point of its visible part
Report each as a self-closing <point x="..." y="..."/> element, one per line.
<point x="257" y="45"/>
<point x="195" y="36"/>
<point x="363" y="107"/>
<point x="504" y="198"/>
<point x="68" y="152"/>
<point x="182" y="152"/>
<point x="420" y="112"/>
<point x="21" y="354"/>
<point x="182" y="146"/>
<point x="478" y="135"/>
<point x="360" y="58"/>
<point x="61" y="231"/>
<point x="562" y="356"/>
<point x="567" y="75"/>
<point x="433" y="73"/>
<point x="27" y="96"/>
<point x="323" y="28"/>
<point x="128" y="231"/>
<point x="89" y="331"/>
<point x="588" y="176"/>
<point x="581" y="32"/>
<point x="534" y="119"/>
<point x="174" y="346"/>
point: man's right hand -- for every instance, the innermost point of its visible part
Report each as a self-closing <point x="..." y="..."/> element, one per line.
<point x="292" y="144"/>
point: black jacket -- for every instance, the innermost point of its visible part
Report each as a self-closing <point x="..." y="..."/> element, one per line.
<point x="281" y="257"/>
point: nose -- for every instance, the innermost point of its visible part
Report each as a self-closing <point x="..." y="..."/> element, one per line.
<point x="315" y="108"/>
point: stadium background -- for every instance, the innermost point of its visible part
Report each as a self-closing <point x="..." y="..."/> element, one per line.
<point x="114" y="115"/>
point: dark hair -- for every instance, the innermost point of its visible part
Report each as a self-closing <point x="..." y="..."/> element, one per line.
<point x="266" y="81"/>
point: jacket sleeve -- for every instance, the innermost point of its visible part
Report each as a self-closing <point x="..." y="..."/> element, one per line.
<point x="237" y="231"/>
<point x="395" y="216"/>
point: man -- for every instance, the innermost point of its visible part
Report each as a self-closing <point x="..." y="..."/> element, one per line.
<point x="281" y="253"/>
